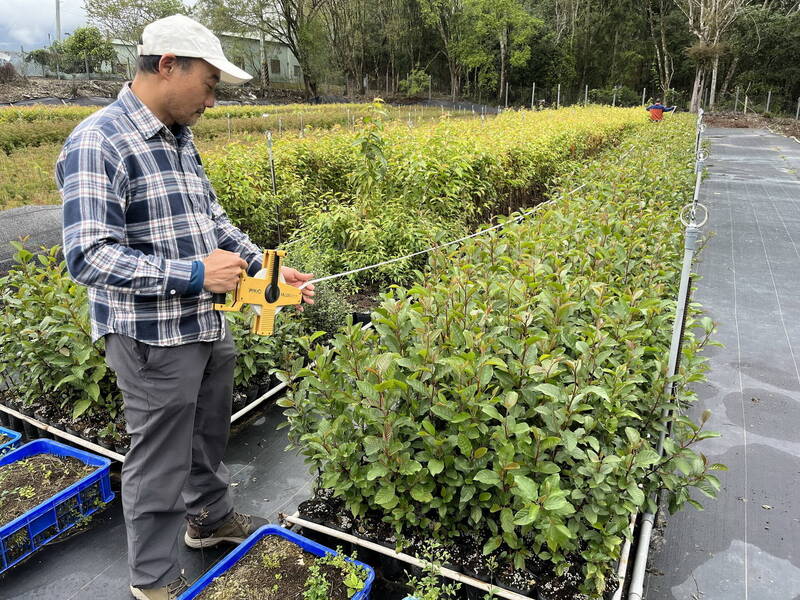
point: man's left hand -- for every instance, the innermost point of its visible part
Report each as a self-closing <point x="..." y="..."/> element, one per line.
<point x="296" y="278"/>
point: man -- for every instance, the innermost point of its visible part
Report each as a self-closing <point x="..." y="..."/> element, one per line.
<point x="657" y="111"/>
<point x="144" y="231"/>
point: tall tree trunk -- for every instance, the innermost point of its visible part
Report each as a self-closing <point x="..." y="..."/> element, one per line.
<point x="696" y="89"/>
<point x="728" y="77"/>
<point x="503" y="68"/>
<point x="714" y="71"/>
<point x="262" y="61"/>
<point x="455" y="78"/>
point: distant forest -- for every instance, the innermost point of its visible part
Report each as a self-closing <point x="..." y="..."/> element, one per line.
<point x="689" y="52"/>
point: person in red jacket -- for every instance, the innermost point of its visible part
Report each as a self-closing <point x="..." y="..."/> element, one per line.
<point x="657" y="110"/>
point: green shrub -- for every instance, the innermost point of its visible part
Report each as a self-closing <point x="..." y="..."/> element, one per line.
<point x="47" y="354"/>
<point x="517" y="388"/>
<point x="45" y="336"/>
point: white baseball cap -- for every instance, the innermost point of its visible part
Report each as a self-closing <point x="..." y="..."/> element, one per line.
<point x="183" y="36"/>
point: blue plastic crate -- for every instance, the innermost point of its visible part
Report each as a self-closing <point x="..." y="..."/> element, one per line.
<point x="29" y="532"/>
<point x="10" y="445"/>
<point x="243" y="548"/>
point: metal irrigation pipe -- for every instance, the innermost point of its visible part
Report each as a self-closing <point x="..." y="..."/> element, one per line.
<point x="690" y="246"/>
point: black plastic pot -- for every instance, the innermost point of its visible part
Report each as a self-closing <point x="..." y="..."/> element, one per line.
<point x="15" y="423"/>
<point x="43" y="434"/>
<point x="31" y="432"/>
<point x="4" y="419"/>
<point x="105" y="443"/>
<point x="362" y="318"/>
<point x="121" y="448"/>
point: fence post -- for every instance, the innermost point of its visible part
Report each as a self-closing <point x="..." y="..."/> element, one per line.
<point x="429" y="87"/>
<point x="614" y="99"/>
<point x="736" y="102"/>
<point x="229" y="125"/>
<point x="586" y="95"/>
<point x="797" y="112"/>
<point x="644" y="90"/>
<point x="769" y="99"/>
<point x="533" y="94"/>
<point x="745" y="103"/>
<point x="506" y="94"/>
<point x="558" y="97"/>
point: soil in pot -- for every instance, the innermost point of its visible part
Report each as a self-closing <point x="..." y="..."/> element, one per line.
<point x="563" y="587"/>
<point x="239" y="400"/>
<point x="476" y="564"/>
<point x="276" y="569"/>
<point x="520" y="581"/>
<point x="317" y="511"/>
<point x="371" y="527"/>
<point x="27" y="483"/>
<point x="4" y="438"/>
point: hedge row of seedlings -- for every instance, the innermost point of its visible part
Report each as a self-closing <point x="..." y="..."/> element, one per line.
<point x="358" y="198"/>
<point x="351" y="198"/>
<point x="509" y="403"/>
<point x="27" y="127"/>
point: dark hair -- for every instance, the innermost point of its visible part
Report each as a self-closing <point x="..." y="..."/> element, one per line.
<point x="149" y="62"/>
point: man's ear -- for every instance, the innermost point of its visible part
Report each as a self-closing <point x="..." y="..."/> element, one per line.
<point x="167" y="65"/>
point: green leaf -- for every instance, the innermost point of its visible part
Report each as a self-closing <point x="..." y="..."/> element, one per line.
<point x="493" y="544"/>
<point x="632" y="435"/>
<point x="527" y="515"/>
<point x="507" y="519"/>
<point x="555" y="503"/>
<point x="435" y="466"/>
<point x="386" y="497"/>
<point x="488" y="477"/>
<point x="526" y="488"/>
<point x="80" y="407"/>
<point x="636" y="494"/>
<point x="548" y="389"/>
<point x="376" y="470"/>
<point x="420" y="494"/>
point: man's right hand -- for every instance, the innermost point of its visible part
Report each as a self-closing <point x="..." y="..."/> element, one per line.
<point x="222" y="269"/>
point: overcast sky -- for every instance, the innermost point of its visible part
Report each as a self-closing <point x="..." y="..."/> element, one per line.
<point x="27" y="22"/>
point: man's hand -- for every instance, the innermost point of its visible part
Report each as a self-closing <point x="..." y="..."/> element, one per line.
<point x="222" y="271"/>
<point x="296" y="278"/>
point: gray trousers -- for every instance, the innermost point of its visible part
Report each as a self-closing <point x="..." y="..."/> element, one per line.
<point x="177" y="408"/>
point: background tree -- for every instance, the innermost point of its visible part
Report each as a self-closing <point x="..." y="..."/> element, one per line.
<point x="87" y="49"/>
<point x="447" y="18"/>
<point x="501" y="34"/>
<point x="294" y="23"/>
<point x="125" y="19"/>
<point x="709" y="21"/>
<point x="43" y="57"/>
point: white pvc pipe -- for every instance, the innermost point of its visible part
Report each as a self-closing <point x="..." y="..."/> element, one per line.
<point x="67" y="436"/>
<point x="691" y="236"/>
<point x="401" y="556"/>
<point x="622" y="568"/>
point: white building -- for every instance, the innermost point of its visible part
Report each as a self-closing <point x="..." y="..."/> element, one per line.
<point x="243" y="51"/>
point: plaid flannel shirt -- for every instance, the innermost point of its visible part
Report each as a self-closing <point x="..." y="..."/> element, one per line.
<point x="139" y="216"/>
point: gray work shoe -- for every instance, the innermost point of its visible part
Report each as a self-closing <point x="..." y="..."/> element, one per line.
<point x="235" y="530"/>
<point x="171" y="591"/>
